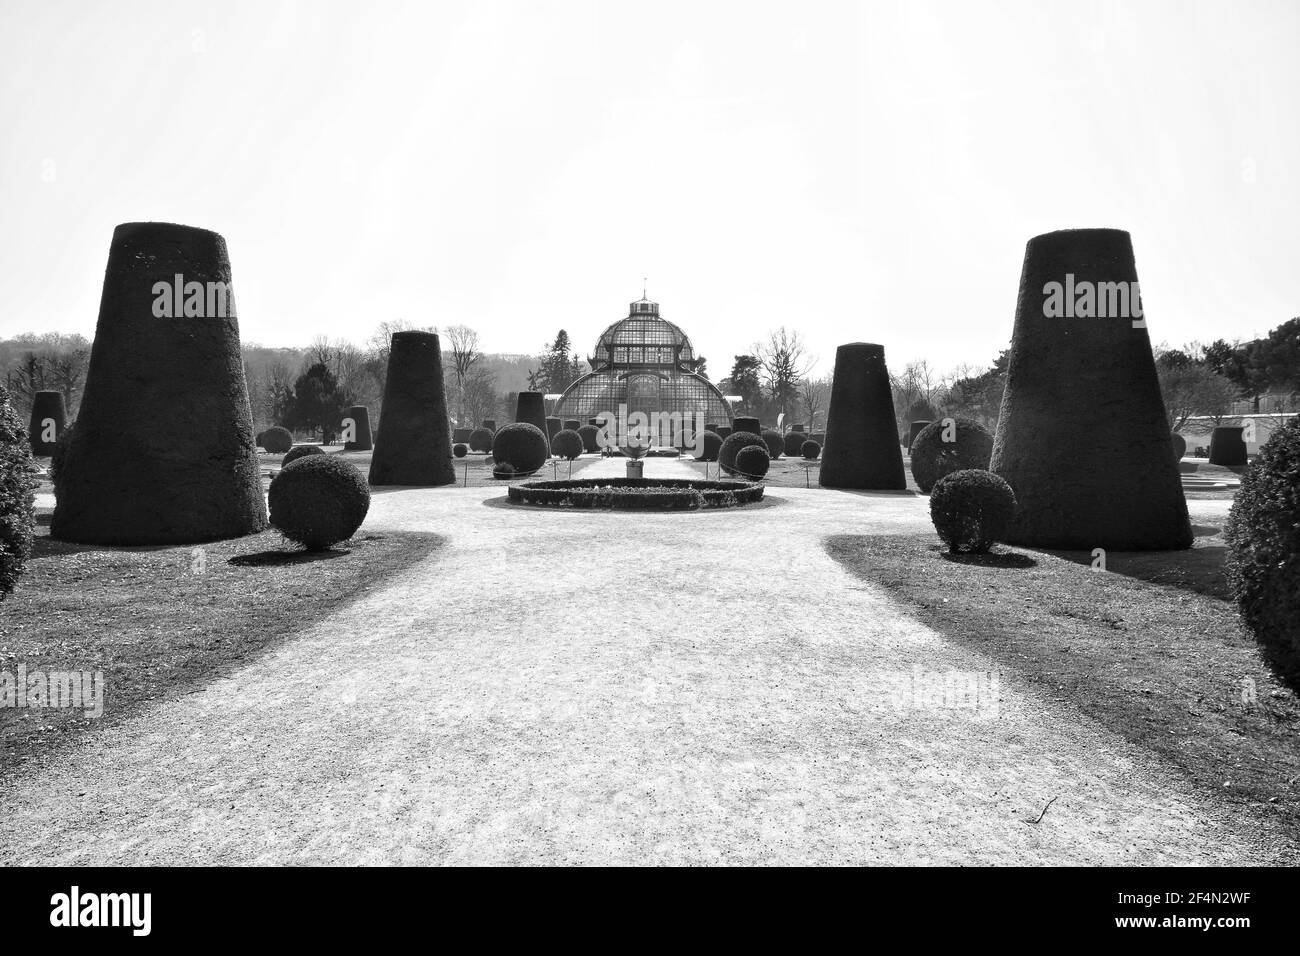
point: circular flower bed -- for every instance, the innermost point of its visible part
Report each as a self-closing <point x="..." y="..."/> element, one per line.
<point x="637" y="494"/>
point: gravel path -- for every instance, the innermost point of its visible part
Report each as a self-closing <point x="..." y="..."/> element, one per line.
<point x="568" y="687"/>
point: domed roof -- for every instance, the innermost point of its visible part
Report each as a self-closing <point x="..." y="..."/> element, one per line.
<point x="656" y="340"/>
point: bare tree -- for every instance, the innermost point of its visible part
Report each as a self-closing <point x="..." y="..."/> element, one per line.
<point x="462" y="349"/>
<point x="783" y="360"/>
<point x="816" y="395"/>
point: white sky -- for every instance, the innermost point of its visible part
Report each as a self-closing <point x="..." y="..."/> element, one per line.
<point x="859" y="171"/>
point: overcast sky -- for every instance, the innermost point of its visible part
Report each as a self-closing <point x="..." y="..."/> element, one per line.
<point x="858" y="171"/>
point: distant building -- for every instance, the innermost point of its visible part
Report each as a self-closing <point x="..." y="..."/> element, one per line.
<point x="648" y="364"/>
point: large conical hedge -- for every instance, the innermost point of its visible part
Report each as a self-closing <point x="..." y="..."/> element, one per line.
<point x="163" y="449"/>
<point x="414" y="443"/>
<point x="862" y="449"/>
<point x="1082" y="438"/>
<point x="530" y="409"/>
<point x="49" y="415"/>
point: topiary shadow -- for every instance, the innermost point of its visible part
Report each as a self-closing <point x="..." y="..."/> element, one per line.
<point x="263" y="559"/>
<point x="1009" y="560"/>
<point x="1199" y="570"/>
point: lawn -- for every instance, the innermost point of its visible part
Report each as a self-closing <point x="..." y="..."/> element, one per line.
<point x="1165" y="665"/>
<point x="162" y="622"/>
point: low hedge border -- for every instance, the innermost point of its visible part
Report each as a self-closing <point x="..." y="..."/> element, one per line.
<point x="637" y="494"/>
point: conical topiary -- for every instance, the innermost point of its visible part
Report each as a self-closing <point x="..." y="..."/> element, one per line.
<point x="530" y="410"/>
<point x="490" y="424"/>
<point x="162" y="452"/>
<point x="861" y="449"/>
<point x="552" y="426"/>
<point x="49" y="415"/>
<point x="414" y="444"/>
<point x="361" y="437"/>
<point x="1083" y="438"/>
<point x="747" y="424"/>
<point x="1227" y="446"/>
<point x="913" y="430"/>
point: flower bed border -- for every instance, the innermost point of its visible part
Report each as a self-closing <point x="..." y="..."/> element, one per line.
<point x="637" y="494"/>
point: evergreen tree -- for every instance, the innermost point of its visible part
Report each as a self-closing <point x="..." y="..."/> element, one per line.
<point x="318" y="402"/>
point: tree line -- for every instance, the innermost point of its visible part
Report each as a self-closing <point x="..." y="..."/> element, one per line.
<point x="309" y="389"/>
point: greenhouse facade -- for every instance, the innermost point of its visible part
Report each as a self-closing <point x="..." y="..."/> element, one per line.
<point x="644" y="364"/>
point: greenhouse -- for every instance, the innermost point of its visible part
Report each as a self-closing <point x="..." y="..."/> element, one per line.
<point x="646" y="363"/>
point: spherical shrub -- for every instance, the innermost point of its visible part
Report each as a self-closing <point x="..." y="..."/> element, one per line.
<point x="793" y="443"/>
<point x="1263" y="536"/>
<point x="567" y="444"/>
<point x="258" y="439"/>
<point x="932" y="457"/>
<point x="460" y="449"/>
<point x="752" y="462"/>
<point x="731" y="446"/>
<point x="318" y="501"/>
<point x="522" y="445"/>
<point x="480" y="439"/>
<point x="971" y="509"/>
<point x="810" y="450"/>
<point x="277" y="440"/>
<point x="1180" y="445"/>
<point x="301" y="451"/>
<point x="775" y="442"/>
<point x="588" y="434"/>
<point x="712" y="442"/>
<point x="17" y="495"/>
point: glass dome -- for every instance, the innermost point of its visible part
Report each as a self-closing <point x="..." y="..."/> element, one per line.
<point x="646" y="363"/>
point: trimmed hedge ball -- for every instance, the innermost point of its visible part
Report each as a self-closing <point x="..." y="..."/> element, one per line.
<point x="301" y="451"/>
<point x="480" y="439"/>
<point x="810" y="450"/>
<point x="522" y="445"/>
<point x="588" y="435"/>
<point x="277" y="440"/>
<point x="318" y="501"/>
<point x="1263" y="536"/>
<point x="567" y="443"/>
<point x="731" y="446"/>
<point x="460" y="449"/>
<point x="712" y="443"/>
<point x="793" y="442"/>
<point x="1180" y="445"/>
<point x="775" y="442"/>
<point x="752" y="462"/>
<point x="971" y="509"/>
<point x="932" y="457"/>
